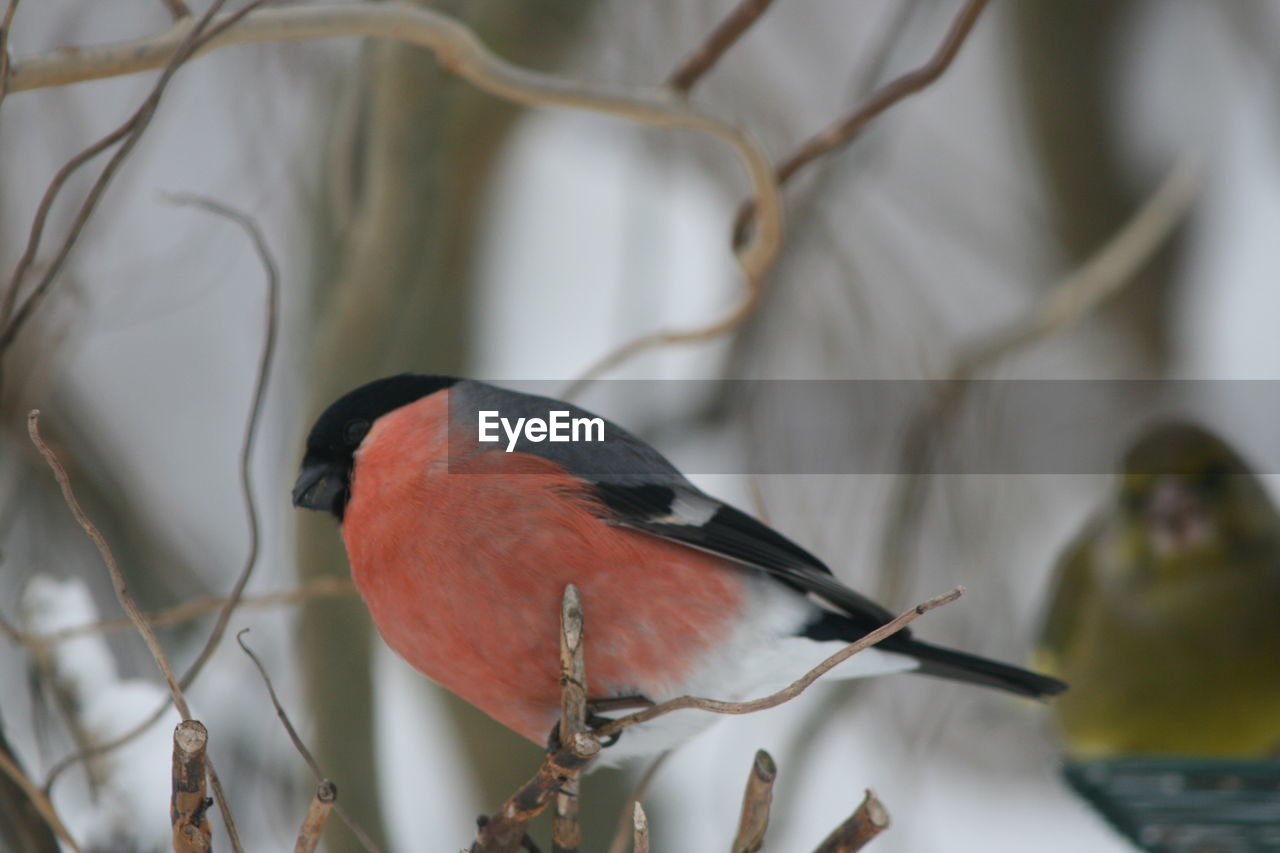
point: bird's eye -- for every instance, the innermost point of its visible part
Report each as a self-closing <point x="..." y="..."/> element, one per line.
<point x="355" y="431"/>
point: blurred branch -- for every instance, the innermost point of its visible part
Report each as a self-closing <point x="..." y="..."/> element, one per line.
<point x="189" y="37"/>
<point x="188" y="804"/>
<point x="869" y="820"/>
<point x="326" y="789"/>
<point x="1065" y="305"/>
<point x="188" y="610"/>
<point x="5" y="25"/>
<point x="177" y="8"/>
<point x="36" y="798"/>
<point x="460" y="51"/>
<point x="575" y="746"/>
<point x="270" y="323"/>
<point x="849" y="128"/>
<point x="456" y="48"/>
<point x="719" y="40"/>
<point x="789" y="692"/>
<point x="756" y="801"/>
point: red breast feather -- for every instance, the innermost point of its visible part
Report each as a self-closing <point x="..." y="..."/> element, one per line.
<point x="463" y="562"/>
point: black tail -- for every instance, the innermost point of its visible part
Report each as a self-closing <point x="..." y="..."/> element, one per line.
<point x="959" y="666"/>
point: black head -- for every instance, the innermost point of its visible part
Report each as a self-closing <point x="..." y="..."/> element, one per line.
<point x="324" y="483"/>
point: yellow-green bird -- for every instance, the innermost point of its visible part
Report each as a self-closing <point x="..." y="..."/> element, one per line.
<point x="1165" y="616"/>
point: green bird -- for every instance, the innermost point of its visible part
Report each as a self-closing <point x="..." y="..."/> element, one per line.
<point x="1165" y="612"/>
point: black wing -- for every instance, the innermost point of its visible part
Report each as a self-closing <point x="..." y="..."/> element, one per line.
<point x="680" y="513"/>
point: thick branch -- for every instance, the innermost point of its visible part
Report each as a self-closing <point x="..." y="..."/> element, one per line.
<point x="317" y="814"/>
<point x="188" y="804"/>
<point x="557" y="777"/>
<point x="641" y="823"/>
<point x="566" y="833"/>
<point x="756" y="801"/>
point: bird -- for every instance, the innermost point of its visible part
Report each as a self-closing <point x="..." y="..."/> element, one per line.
<point x="1162" y="613"/>
<point x="462" y="537"/>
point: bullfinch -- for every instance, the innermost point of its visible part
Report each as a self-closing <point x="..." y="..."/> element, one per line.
<point x="1163" y="612"/>
<point x="462" y="537"/>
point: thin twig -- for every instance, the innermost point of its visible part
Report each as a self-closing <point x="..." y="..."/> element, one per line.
<point x="869" y="820"/>
<point x="850" y="127"/>
<point x="270" y="323"/>
<point x="756" y="801"/>
<point x="1065" y="305"/>
<point x="113" y="568"/>
<point x="271" y="311"/>
<point x="623" y="834"/>
<point x="317" y="814"/>
<point x="641" y="823"/>
<point x="130" y="606"/>
<point x="192" y="832"/>
<point x="188" y="40"/>
<point x="720" y="39"/>
<point x="39" y="800"/>
<point x="188" y="610"/>
<point x="312" y="764"/>
<point x="787" y="693"/>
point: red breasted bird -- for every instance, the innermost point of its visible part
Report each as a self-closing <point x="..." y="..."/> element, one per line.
<point x="462" y="550"/>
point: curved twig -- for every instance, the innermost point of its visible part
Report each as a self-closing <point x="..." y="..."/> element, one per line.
<point x="787" y="693"/>
<point x="461" y="52"/>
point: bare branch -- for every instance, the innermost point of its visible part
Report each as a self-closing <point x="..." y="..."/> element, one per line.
<point x="566" y="834"/>
<point x="246" y="448"/>
<point x="188" y="610"/>
<point x="271" y="310"/>
<point x="128" y="134"/>
<point x="849" y="128"/>
<point x="6" y="24"/>
<point x="787" y="693"/>
<point x="641" y="823"/>
<point x="869" y="820"/>
<point x="459" y="51"/>
<point x="317" y="814"/>
<point x="563" y="764"/>
<point x="192" y="832"/>
<point x="324" y="786"/>
<point x="1066" y="304"/>
<point x="130" y="606"/>
<point x="756" y="801"/>
<point x="113" y="569"/>
<point x="720" y="39"/>
<point x="39" y="799"/>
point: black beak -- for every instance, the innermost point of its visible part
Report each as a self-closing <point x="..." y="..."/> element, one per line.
<point x="323" y="486"/>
